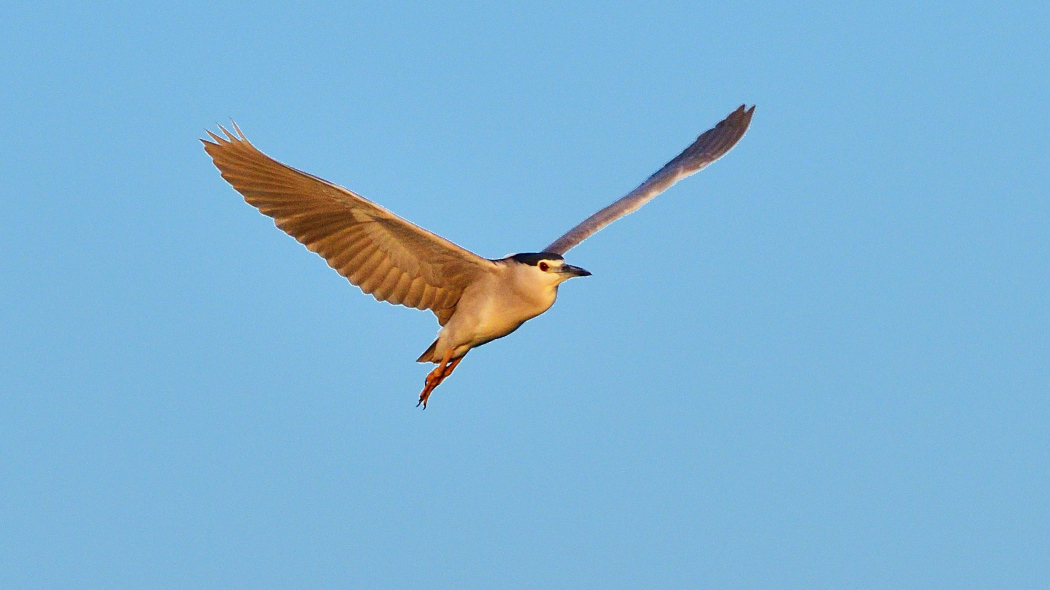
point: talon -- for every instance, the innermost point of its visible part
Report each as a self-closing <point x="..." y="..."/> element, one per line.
<point x="435" y="377"/>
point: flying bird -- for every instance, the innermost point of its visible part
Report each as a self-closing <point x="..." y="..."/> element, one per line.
<point x="476" y="300"/>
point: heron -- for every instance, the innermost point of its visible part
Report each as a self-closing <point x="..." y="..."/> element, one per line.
<point x="476" y="299"/>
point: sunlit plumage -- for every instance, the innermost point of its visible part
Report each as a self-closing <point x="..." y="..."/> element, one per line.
<point x="476" y="300"/>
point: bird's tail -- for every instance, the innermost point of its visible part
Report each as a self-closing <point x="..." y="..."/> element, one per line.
<point x="428" y="356"/>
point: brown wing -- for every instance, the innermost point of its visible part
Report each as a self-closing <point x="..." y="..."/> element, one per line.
<point x="710" y="146"/>
<point x="381" y="253"/>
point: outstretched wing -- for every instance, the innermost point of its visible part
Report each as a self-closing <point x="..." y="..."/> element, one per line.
<point x="381" y="253"/>
<point x="707" y="148"/>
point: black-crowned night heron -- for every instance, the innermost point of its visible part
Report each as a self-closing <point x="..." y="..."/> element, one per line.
<point x="476" y="300"/>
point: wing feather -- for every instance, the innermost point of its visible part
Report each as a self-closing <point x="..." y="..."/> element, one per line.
<point x="400" y="290"/>
<point x="384" y="255"/>
<point x="710" y="146"/>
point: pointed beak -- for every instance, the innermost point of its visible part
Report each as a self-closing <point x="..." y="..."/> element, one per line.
<point x="574" y="271"/>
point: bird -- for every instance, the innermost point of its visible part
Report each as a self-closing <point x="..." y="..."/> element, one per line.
<point x="476" y="299"/>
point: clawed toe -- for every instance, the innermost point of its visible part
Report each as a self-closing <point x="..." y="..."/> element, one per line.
<point x="435" y="377"/>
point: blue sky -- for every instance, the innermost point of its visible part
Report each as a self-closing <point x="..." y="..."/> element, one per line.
<point x="820" y="363"/>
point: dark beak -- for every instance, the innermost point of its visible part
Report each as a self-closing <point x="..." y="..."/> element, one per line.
<point x="574" y="271"/>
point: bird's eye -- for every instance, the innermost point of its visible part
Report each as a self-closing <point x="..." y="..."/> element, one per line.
<point x="544" y="266"/>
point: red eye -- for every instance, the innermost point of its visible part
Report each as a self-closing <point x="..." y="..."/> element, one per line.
<point x="544" y="266"/>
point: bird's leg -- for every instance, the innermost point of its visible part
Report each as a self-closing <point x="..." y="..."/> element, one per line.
<point x="451" y="367"/>
<point x="434" y="378"/>
<point x="439" y="374"/>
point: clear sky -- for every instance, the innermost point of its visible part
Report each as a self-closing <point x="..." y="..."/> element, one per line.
<point x="823" y="362"/>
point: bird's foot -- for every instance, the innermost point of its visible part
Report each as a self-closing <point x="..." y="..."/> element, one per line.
<point x="435" y="377"/>
<point x="433" y="380"/>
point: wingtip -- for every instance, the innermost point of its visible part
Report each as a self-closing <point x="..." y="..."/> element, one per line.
<point x="216" y="140"/>
<point x="226" y="132"/>
<point x="236" y="128"/>
<point x="748" y="114"/>
<point x="741" y="116"/>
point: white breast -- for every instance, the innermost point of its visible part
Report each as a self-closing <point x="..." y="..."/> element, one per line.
<point x="496" y="306"/>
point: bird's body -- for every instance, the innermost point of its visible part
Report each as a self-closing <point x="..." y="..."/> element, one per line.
<point x="476" y="300"/>
<point x="498" y="303"/>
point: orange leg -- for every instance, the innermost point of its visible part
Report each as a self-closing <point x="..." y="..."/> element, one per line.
<point x="452" y="367"/>
<point x="439" y="374"/>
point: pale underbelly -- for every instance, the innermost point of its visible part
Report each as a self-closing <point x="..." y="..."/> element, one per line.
<point x="491" y="323"/>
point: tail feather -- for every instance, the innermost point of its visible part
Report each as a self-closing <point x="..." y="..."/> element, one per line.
<point x="428" y="356"/>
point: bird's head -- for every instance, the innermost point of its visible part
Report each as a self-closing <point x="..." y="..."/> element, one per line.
<point x="545" y="268"/>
